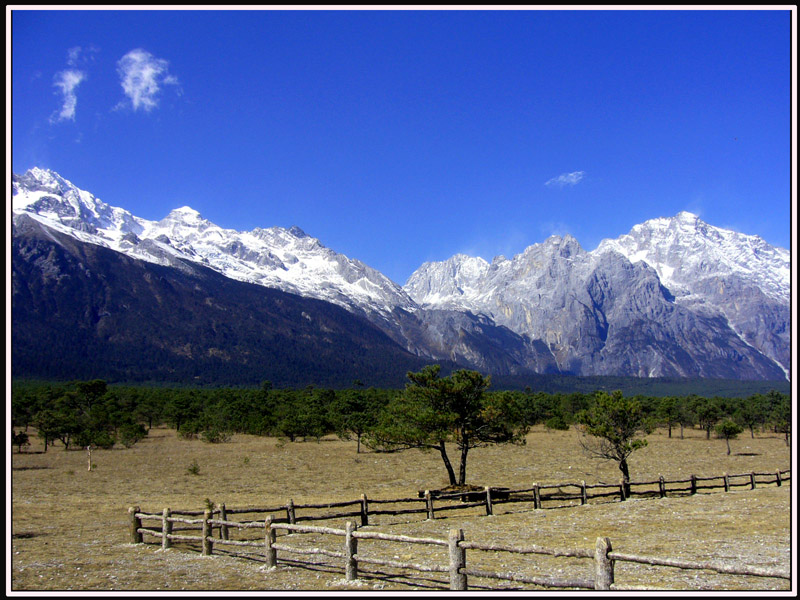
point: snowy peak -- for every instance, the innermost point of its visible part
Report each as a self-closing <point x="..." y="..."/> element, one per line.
<point x="289" y="260"/>
<point x="297" y="232"/>
<point x="685" y="251"/>
<point x="184" y="214"/>
<point x="453" y="282"/>
<point x="52" y="198"/>
<point x="44" y="180"/>
<point x="468" y="282"/>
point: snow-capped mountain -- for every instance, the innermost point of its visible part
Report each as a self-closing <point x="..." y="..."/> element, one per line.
<point x="717" y="270"/>
<point x="286" y="259"/>
<point x="686" y="252"/>
<point x="676" y="278"/>
<point x="675" y="297"/>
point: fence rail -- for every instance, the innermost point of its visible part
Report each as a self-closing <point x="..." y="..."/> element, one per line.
<point x="555" y="495"/>
<point x="285" y="519"/>
<point x="538" y="494"/>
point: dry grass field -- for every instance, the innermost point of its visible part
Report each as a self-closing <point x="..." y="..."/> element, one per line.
<point x="69" y="527"/>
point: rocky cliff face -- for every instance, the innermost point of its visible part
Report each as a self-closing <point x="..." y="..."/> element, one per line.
<point x="603" y="313"/>
<point x="720" y="272"/>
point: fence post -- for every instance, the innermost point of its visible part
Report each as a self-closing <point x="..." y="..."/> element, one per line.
<point x="290" y="511"/>
<point x="726" y="482"/>
<point x="350" y="550"/>
<point x="537" y="499"/>
<point x="489" y="507"/>
<point x="223" y="529"/>
<point x="778" y="477"/>
<point x="752" y="481"/>
<point x="136" y="523"/>
<point x="166" y="529"/>
<point x="603" y="565"/>
<point x="364" y="511"/>
<point x="269" y="539"/>
<point x="458" y="560"/>
<point x="207" y="514"/>
<point x="694" y="484"/>
<point x="662" y="488"/>
<point x="429" y="503"/>
<point x="583" y="491"/>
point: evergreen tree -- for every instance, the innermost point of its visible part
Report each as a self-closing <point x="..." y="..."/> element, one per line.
<point x="728" y="429"/>
<point x="617" y="425"/>
<point x="433" y="411"/>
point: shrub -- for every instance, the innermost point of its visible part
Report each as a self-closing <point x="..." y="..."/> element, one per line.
<point x="215" y="436"/>
<point x="557" y="422"/>
<point x="19" y="439"/>
<point x="104" y="440"/>
<point x="189" y="431"/>
<point x="131" y="433"/>
<point x="98" y="439"/>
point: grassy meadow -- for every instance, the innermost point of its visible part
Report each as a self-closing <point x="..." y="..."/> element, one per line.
<point x="69" y="525"/>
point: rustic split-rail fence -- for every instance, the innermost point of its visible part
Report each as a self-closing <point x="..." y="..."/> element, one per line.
<point x="260" y="534"/>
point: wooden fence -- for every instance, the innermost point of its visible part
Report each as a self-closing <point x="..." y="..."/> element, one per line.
<point x="285" y="518"/>
<point x="456" y="566"/>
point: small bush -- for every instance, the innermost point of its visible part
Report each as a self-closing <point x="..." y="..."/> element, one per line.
<point x="104" y="440"/>
<point x="131" y="433"/>
<point x="215" y="436"/>
<point x="194" y="468"/>
<point x="98" y="439"/>
<point x="20" y="439"/>
<point x="189" y="431"/>
<point x="557" y="422"/>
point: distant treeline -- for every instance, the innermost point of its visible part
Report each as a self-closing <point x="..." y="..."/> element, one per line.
<point x="639" y="386"/>
<point x="83" y="413"/>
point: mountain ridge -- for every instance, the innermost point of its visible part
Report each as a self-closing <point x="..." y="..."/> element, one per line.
<point x="639" y="304"/>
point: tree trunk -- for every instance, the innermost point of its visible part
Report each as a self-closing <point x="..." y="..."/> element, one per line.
<point x="358" y="443"/>
<point x="450" y="473"/>
<point x="462" y="467"/>
<point x="623" y="466"/>
<point x="728" y="442"/>
<point x="669" y="428"/>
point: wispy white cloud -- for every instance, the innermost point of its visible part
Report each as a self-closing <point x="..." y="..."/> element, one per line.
<point x="67" y="81"/>
<point x="565" y="179"/>
<point x="549" y="228"/>
<point x="141" y="76"/>
<point x="73" y="55"/>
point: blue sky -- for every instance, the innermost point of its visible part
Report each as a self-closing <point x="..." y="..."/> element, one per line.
<point x="398" y="137"/>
